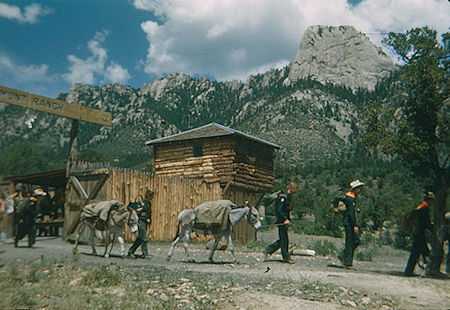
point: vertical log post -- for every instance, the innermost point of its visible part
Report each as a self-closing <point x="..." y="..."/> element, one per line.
<point x="71" y="160"/>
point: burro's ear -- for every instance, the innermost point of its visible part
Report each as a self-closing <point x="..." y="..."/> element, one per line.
<point x="247" y="203"/>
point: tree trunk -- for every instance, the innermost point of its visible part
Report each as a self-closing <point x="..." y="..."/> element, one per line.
<point x="73" y="147"/>
<point x="433" y="268"/>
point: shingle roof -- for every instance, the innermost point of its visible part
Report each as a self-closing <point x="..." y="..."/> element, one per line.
<point x="208" y="131"/>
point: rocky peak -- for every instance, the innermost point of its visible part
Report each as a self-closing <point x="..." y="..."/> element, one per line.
<point x="159" y="86"/>
<point x="339" y="55"/>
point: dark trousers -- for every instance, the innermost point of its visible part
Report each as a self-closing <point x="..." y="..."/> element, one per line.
<point x="447" y="266"/>
<point x="24" y="229"/>
<point x="282" y="243"/>
<point x="419" y="247"/>
<point x="141" y="239"/>
<point x="351" y="243"/>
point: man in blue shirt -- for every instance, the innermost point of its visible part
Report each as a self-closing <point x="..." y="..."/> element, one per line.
<point x="283" y="209"/>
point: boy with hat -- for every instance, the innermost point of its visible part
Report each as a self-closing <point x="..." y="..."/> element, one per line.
<point x="144" y="212"/>
<point x="349" y="220"/>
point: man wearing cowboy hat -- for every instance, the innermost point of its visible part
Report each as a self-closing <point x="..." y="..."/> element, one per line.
<point x="27" y="218"/>
<point x="419" y="244"/>
<point x="350" y="226"/>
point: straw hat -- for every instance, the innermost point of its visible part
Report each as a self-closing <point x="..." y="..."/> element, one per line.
<point x="39" y="192"/>
<point x="355" y="184"/>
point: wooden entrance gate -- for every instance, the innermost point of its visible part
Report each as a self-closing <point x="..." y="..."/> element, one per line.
<point x="86" y="184"/>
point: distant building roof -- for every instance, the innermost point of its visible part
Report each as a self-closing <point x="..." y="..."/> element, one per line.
<point x="56" y="178"/>
<point x="208" y="131"/>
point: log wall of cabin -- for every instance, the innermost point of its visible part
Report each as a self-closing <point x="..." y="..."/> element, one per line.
<point x="177" y="159"/>
<point x="223" y="158"/>
<point x="254" y="171"/>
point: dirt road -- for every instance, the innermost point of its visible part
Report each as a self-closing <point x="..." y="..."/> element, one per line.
<point x="375" y="284"/>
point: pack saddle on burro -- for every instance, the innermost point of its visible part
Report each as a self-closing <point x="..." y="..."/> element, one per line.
<point x="110" y="217"/>
<point x="213" y="218"/>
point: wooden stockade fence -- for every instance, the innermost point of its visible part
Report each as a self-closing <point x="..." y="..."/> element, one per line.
<point x="172" y="195"/>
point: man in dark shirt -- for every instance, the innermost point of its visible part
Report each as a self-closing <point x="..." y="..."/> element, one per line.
<point x="26" y="218"/>
<point x="283" y="209"/>
<point x="144" y="212"/>
<point x="419" y="244"/>
<point x="351" y="228"/>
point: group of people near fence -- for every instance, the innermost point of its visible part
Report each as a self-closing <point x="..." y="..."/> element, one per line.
<point x="30" y="208"/>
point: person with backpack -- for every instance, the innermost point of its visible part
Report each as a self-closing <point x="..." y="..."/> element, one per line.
<point x="283" y="207"/>
<point x="26" y="213"/>
<point x="144" y="211"/>
<point x="350" y="226"/>
<point x="419" y="244"/>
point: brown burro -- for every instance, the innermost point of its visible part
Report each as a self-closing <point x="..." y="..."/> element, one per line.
<point x="110" y="217"/>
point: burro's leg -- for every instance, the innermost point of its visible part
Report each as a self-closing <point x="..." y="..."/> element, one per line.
<point x="107" y="239"/>
<point x="214" y="247"/>
<point x="79" y="232"/>
<point x="114" y="234"/>
<point x="231" y="247"/>
<point x="173" y="244"/>
<point x="91" y="239"/>
<point x="183" y="233"/>
<point x="187" y="233"/>
<point x="122" y="245"/>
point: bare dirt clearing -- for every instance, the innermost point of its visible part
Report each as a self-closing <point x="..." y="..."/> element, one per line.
<point x="252" y="284"/>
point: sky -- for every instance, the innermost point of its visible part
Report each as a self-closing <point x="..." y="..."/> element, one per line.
<point x="47" y="46"/>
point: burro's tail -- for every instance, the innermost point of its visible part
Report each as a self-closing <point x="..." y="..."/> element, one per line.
<point x="178" y="231"/>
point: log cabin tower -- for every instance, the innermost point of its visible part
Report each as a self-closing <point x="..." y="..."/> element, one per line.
<point x="217" y="153"/>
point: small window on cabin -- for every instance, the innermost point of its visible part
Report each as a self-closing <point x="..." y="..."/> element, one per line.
<point x="251" y="151"/>
<point x="198" y="150"/>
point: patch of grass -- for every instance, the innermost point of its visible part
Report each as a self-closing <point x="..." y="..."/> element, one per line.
<point x="13" y="271"/>
<point x="33" y="275"/>
<point x="23" y="297"/>
<point x="101" y="276"/>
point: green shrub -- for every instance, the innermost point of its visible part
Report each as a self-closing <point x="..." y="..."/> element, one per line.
<point x="365" y="254"/>
<point x="255" y="244"/>
<point x="384" y="238"/>
<point x="324" y="247"/>
<point x="401" y="241"/>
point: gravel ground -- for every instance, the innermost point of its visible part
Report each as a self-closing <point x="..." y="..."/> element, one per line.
<point x="258" y="284"/>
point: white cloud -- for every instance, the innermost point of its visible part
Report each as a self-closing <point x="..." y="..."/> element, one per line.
<point x="29" y="15"/>
<point x="230" y="38"/>
<point x="96" y="68"/>
<point x="116" y="73"/>
<point x="31" y="78"/>
<point x="32" y="73"/>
